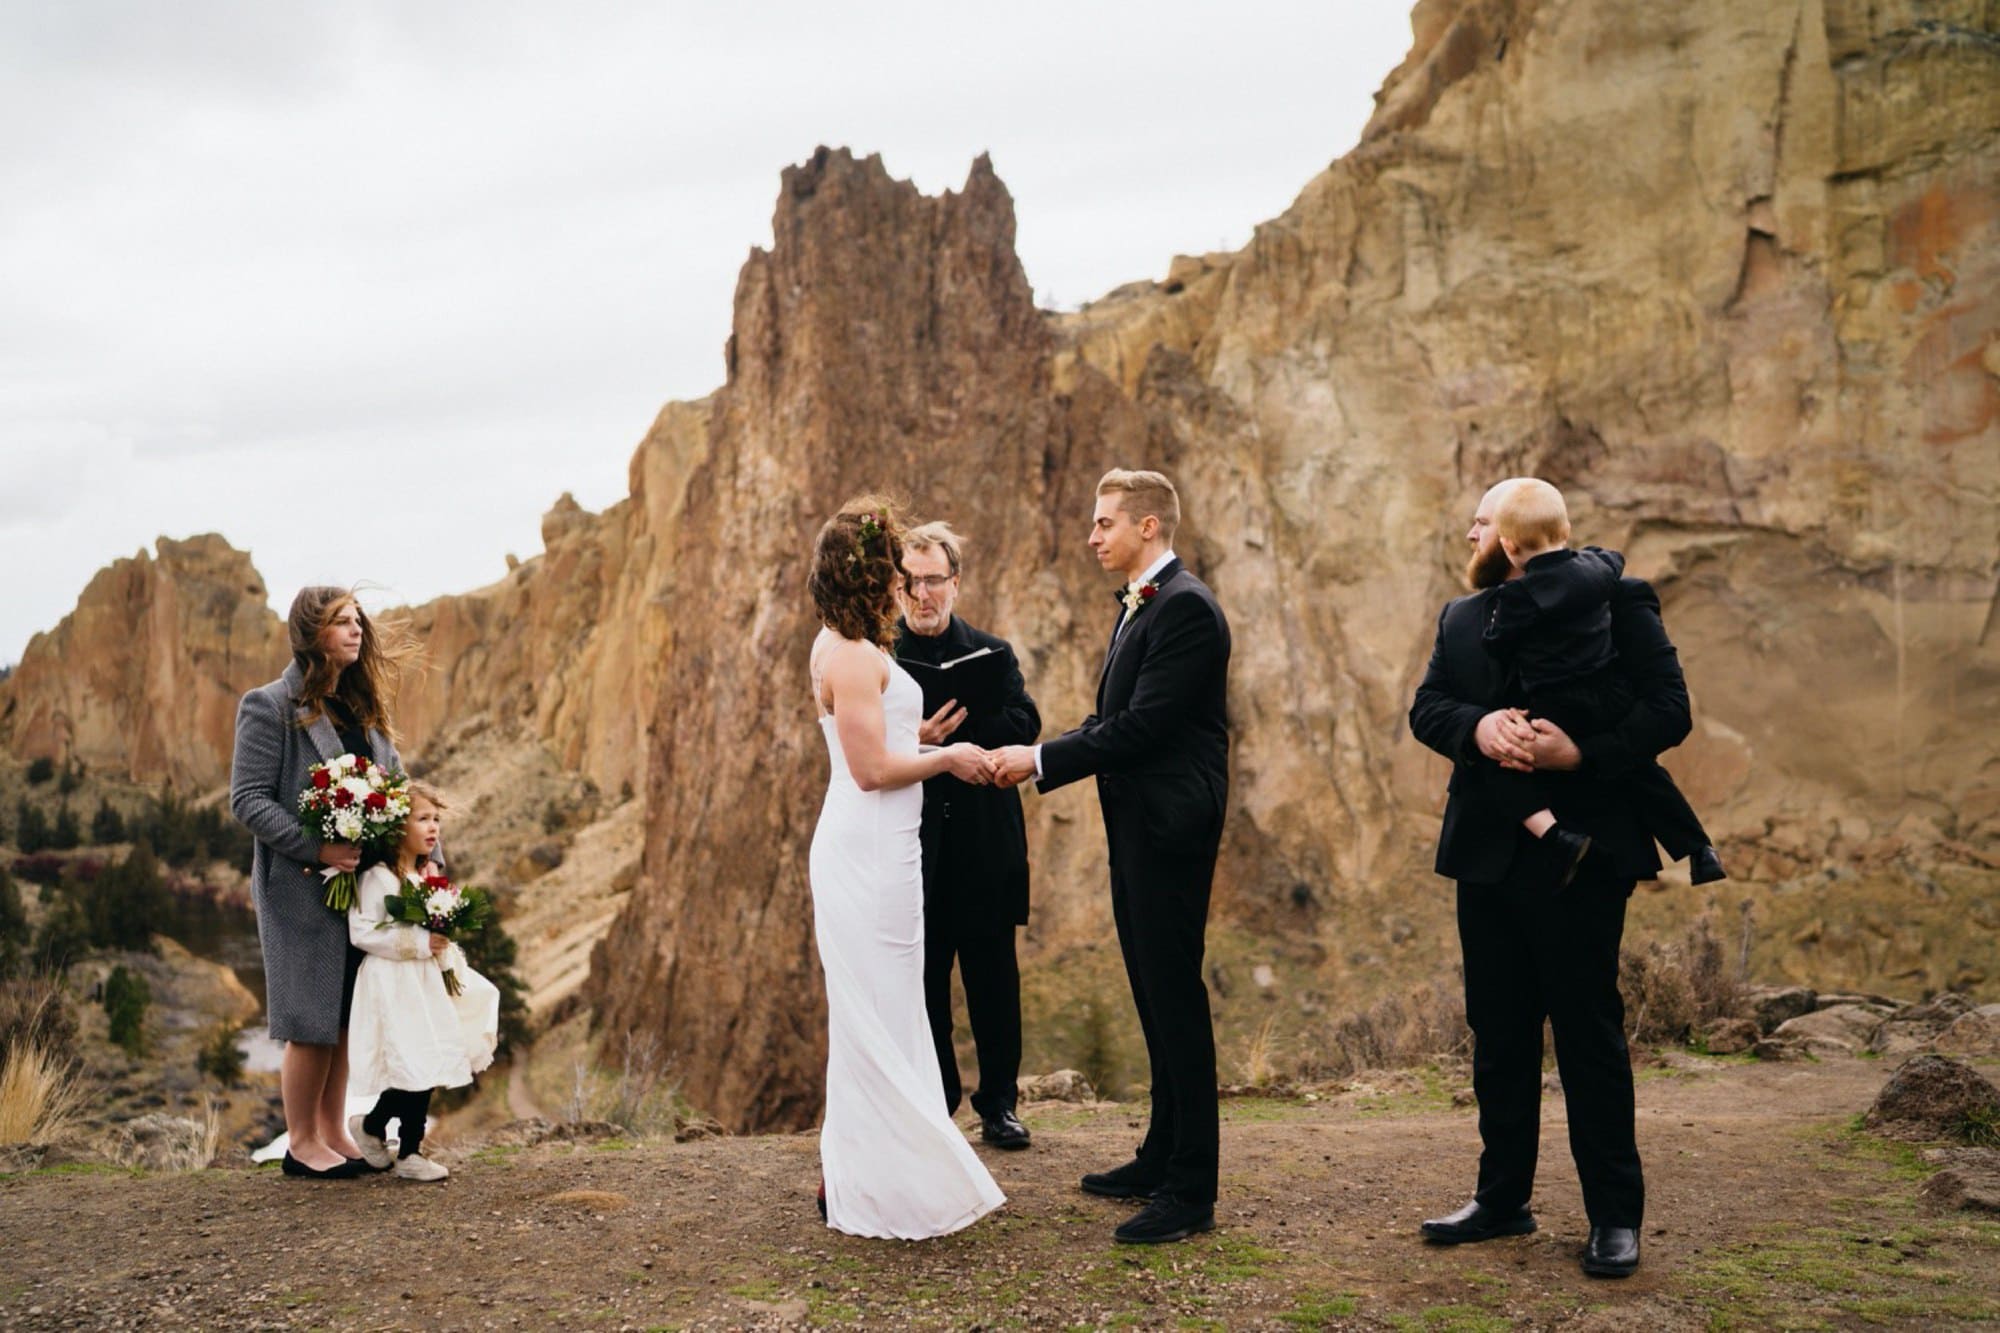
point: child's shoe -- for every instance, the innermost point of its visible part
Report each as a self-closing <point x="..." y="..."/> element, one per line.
<point x="374" y="1151"/>
<point x="1705" y="867"/>
<point x="1569" y="850"/>
<point x="419" y="1167"/>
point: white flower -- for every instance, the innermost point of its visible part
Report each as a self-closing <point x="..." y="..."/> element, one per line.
<point x="442" y="902"/>
<point x="348" y="824"/>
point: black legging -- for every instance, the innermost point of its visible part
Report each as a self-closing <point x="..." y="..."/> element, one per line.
<point x="411" y="1108"/>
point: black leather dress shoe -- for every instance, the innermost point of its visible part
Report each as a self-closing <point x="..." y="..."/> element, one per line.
<point x="1611" y="1252"/>
<point x="1570" y="849"/>
<point x="1134" y="1180"/>
<point x="1705" y="867"/>
<point x="1165" y="1219"/>
<point x="349" y="1168"/>
<point x="1476" y="1222"/>
<point x="1003" y="1129"/>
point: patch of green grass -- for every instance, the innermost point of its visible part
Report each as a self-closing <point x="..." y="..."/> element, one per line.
<point x="1811" y="1279"/>
<point x="1451" y="1319"/>
<point x="1252" y="1110"/>
<point x="1432" y="1096"/>
<point x="496" y="1154"/>
<point x="1981" y="1128"/>
<point x="292" y="1300"/>
<point x="1201" y="1322"/>
<point x="613" y="1145"/>
<point x="822" y="1308"/>
<point x="1317" y="1309"/>
<point x="1904" y="1161"/>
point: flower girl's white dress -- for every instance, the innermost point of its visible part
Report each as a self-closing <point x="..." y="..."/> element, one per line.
<point x="405" y="1030"/>
<point x="895" y="1164"/>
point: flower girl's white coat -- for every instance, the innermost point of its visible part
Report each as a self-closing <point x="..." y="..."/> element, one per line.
<point x="405" y="1030"/>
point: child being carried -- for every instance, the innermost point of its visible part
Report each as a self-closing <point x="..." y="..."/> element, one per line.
<point x="1551" y="624"/>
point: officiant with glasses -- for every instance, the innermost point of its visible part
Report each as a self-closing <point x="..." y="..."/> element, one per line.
<point x="975" y="845"/>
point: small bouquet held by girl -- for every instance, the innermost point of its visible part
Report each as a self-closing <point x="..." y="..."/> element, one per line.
<point x="435" y="903"/>
<point x="354" y="800"/>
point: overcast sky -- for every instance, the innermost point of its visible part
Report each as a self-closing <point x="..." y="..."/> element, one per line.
<point x="446" y="260"/>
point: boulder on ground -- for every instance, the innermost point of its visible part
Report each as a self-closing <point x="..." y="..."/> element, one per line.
<point x="1730" y="1036"/>
<point x="1934" y="1097"/>
<point x="1975" y="1032"/>
<point x="1064" y="1085"/>
<point x="1844" y="1029"/>
<point x="1970" y="1181"/>
<point x="1773" y="1005"/>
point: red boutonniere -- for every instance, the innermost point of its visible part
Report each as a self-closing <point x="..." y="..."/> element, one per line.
<point x="1137" y="595"/>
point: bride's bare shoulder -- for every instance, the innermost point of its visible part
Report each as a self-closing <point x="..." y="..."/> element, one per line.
<point x="835" y="655"/>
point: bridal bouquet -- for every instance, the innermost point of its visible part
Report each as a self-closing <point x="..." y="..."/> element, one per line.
<point x="439" y="906"/>
<point x="350" y="799"/>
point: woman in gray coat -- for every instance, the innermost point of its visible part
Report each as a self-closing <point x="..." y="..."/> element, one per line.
<point x="330" y="701"/>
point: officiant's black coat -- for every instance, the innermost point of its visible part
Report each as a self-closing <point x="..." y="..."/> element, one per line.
<point x="974" y="840"/>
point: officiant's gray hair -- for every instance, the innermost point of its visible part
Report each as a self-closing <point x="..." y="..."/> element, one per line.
<point x="936" y="535"/>
<point x="1145" y="493"/>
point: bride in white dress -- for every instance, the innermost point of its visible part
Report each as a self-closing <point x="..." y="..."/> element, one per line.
<point x="894" y="1163"/>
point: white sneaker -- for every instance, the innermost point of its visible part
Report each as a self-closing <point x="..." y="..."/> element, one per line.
<point x="419" y="1167"/>
<point x="374" y="1151"/>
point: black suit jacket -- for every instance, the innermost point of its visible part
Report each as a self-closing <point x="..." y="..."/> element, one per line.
<point x="975" y="843"/>
<point x="1464" y="682"/>
<point x="1158" y="743"/>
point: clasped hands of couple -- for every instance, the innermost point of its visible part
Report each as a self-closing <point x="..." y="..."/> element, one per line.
<point x="1008" y="766"/>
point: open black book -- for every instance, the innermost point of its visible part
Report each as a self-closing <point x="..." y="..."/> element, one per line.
<point x="977" y="680"/>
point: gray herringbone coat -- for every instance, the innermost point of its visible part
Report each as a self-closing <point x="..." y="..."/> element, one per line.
<point x="305" y="943"/>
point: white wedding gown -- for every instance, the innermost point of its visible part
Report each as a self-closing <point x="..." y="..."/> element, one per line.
<point x="895" y="1164"/>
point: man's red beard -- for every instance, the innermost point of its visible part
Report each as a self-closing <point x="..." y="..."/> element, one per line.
<point x="1488" y="567"/>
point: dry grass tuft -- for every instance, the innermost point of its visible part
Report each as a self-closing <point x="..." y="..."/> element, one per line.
<point x="167" y="1143"/>
<point x="638" y="1094"/>
<point x="1397" y="1032"/>
<point x="41" y="1097"/>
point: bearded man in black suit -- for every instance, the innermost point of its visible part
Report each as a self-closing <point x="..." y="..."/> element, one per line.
<point x="1533" y="951"/>
<point x="1158" y="745"/>
<point x="974" y="842"/>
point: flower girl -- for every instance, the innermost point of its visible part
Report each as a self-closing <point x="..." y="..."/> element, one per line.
<point x="407" y="1033"/>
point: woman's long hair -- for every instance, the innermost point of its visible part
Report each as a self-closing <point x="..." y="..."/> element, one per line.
<point x="857" y="565"/>
<point x="364" y="687"/>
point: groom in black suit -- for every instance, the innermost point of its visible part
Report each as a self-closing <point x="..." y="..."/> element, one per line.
<point x="1158" y="746"/>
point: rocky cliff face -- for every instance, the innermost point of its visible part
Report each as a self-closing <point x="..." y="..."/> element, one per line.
<point x="142" y="679"/>
<point x="1726" y="273"/>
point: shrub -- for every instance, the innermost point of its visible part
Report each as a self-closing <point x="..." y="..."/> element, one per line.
<point x="492" y="953"/>
<point x="637" y="1094"/>
<point x="40" y="868"/>
<point x="1397" y="1032"/>
<point x="67" y="833"/>
<point x="15" y="938"/>
<point x="1674" y="989"/>
<point x="126" y="901"/>
<point x="107" y="825"/>
<point x="71" y="777"/>
<point x="220" y="1057"/>
<point x="41" y="770"/>
<point x="35" y="1011"/>
<point x="126" y="996"/>
<point x="31" y="826"/>
<point x="183" y="835"/>
<point x="64" y="937"/>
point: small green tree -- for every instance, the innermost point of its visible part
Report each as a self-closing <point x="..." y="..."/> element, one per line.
<point x="67" y="833"/>
<point x="14" y="935"/>
<point x="41" y="770"/>
<point x="126" y="901"/>
<point x="107" y="825"/>
<point x="64" y="936"/>
<point x="220" y="1057"/>
<point x="126" y="996"/>
<point x="31" y="826"/>
<point x="71" y="777"/>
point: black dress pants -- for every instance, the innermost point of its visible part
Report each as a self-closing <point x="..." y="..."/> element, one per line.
<point x="1159" y="902"/>
<point x="992" y="979"/>
<point x="1531" y="954"/>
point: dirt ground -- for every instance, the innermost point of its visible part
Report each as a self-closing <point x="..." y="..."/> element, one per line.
<point x="1768" y="1209"/>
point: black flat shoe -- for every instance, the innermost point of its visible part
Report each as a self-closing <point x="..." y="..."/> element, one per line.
<point x="1134" y="1180"/>
<point x="1705" y="867"/>
<point x="1165" y="1219"/>
<point x="349" y="1168"/>
<point x="1570" y="850"/>
<point x="1611" y="1252"/>
<point x="1003" y="1129"/>
<point x="1477" y="1222"/>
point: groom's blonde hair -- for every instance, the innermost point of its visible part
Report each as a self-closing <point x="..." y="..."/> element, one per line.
<point x="1143" y="493"/>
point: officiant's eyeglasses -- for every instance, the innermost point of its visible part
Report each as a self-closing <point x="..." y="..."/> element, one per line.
<point x="928" y="582"/>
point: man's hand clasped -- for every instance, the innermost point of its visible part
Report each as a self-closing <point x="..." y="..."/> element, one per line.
<point x="1512" y="739"/>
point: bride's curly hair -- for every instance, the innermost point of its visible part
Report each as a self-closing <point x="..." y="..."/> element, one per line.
<point x="857" y="567"/>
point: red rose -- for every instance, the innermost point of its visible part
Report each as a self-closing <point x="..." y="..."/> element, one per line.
<point x="375" y="800"/>
<point x="360" y="763"/>
<point x="343" y="798"/>
<point x="322" y="779"/>
<point x="1147" y="591"/>
<point x="435" y="882"/>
